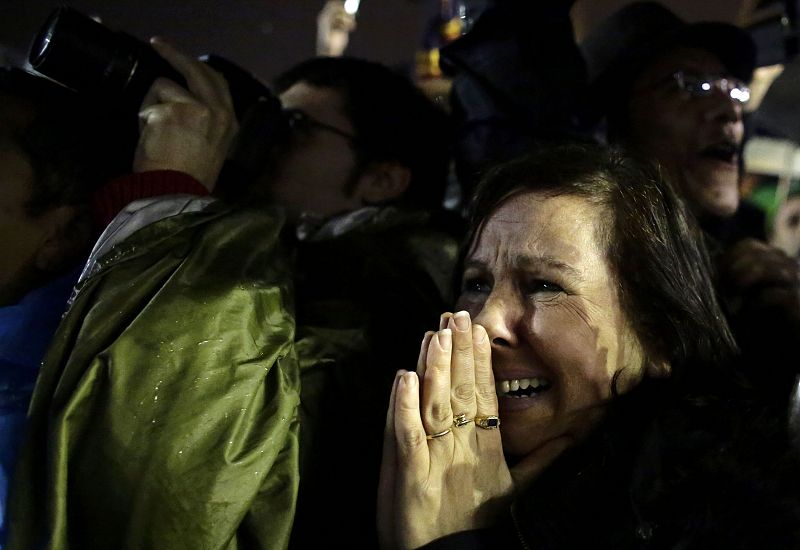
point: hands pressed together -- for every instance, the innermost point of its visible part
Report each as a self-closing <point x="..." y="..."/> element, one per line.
<point x="186" y="129"/>
<point x="443" y="467"/>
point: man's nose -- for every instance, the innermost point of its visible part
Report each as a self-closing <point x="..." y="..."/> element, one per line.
<point x="722" y="107"/>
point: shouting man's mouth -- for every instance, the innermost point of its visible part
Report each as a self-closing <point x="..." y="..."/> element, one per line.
<point x="725" y="151"/>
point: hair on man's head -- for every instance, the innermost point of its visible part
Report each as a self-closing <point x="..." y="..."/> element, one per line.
<point x="392" y="120"/>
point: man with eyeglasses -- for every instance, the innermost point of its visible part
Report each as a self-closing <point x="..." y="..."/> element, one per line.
<point x="361" y="135"/>
<point x="675" y="93"/>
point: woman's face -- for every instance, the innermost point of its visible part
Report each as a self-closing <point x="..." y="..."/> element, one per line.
<point x="539" y="282"/>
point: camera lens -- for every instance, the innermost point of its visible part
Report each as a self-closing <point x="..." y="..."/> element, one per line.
<point x="77" y="51"/>
<point x="82" y="54"/>
<point x="41" y="42"/>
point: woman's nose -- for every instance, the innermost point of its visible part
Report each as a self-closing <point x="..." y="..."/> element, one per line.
<point x="500" y="317"/>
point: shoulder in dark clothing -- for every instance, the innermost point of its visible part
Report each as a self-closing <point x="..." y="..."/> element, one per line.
<point x="663" y="470"/>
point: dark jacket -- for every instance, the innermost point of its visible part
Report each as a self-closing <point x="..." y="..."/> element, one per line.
<point x="364" y="299"/>
<point x="666" y="469"/>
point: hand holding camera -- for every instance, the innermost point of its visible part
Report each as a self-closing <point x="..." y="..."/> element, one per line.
<point x="189" y="129"/>
<point x="189" y="110"/>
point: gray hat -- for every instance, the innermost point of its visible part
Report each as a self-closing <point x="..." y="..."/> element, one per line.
<point x="621" y="46"/>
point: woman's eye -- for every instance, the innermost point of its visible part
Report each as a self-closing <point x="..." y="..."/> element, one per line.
<point x="475" y="285"/>
<point x="543" y="289"/>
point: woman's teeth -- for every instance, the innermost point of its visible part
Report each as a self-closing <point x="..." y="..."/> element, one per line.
<point x="523" y="387"/>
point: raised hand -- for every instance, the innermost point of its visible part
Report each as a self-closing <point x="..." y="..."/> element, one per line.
<point x="334" y="26"/>
<point x="758" y="276"/>
<point x="186" y="129"/>
<point x="443" y="469"/>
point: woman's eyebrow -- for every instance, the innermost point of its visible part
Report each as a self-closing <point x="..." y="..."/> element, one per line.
<point x="528" y="262"/>
<point x="474" y="264"/>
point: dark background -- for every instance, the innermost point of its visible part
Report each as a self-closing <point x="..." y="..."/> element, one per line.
<point x="263" y="36"/>
<point x="266" y="36"/>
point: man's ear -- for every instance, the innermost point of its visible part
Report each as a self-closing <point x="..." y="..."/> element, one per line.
<point x="67" y="235"/>
<point x="383" y="182"/>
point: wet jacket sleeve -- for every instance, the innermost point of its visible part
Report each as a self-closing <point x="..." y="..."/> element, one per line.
<point x="165" y="415"/>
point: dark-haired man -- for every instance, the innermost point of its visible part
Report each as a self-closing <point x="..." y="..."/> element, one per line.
<point x="396" y="147"/>
<point x="364" y="179"/>
<point x="206" y="334"/>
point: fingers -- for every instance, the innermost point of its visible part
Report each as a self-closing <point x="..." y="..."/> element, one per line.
<point x="413" y="460"/>
<point x="440" y="480"/>
<point x="334" y="26"/>
<point x="168" y="103"/>
<point x="386" y="485"/>
<point x="187" y="129"/>
<point x="485" y="391"/>
<point x="489" y="440"/>
<point x="458" y="377"/>
<point x="423" y="354"/>
<point x="444" y="320"/>
<point x="472" y="388"/>
<point x="437" y="415"/>
<point x="343" y="22"/>
<point x="203" y="81"/>
<point x="462" y="371"/>
<point x="165" y="90"/>
<point x="389" y="454"/>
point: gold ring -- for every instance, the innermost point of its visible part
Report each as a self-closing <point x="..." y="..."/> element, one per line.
<point x="461" y="420"/>
<point x="487" y="422"/>
<point x="440" y="434"/>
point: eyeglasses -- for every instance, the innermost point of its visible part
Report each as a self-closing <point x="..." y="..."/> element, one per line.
<point x="704" y="85"/>
<point x="303" y="121"/>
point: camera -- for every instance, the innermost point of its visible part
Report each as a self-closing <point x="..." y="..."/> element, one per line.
<point x="117" y="69"/>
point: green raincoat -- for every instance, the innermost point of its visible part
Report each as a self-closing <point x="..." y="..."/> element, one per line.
<point x="166" y="412"/>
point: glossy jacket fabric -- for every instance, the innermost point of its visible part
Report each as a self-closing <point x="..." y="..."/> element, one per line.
<point x="166" y="413"/>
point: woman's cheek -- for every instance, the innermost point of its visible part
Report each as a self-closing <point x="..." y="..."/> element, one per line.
<point x="573" y="347"/>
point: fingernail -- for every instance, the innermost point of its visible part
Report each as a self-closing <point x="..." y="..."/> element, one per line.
<point x="461" y="320"/>
<point x="445" y="338"/>
<point x="410" y="378"/>
<point x="444" y="319"/>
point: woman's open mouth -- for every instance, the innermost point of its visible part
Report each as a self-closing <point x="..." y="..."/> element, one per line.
<point x="522" y="387"/>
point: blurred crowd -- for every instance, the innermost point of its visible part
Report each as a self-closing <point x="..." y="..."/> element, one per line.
<point x="215" y="288"/>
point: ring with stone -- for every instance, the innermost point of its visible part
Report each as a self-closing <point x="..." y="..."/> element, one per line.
<point x="490" y="422"/>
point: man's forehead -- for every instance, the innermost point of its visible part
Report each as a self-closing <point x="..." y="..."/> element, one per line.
<point x="323" y="103"/>
<point x="693" y="60"/>
<point x="302" y="95"/>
